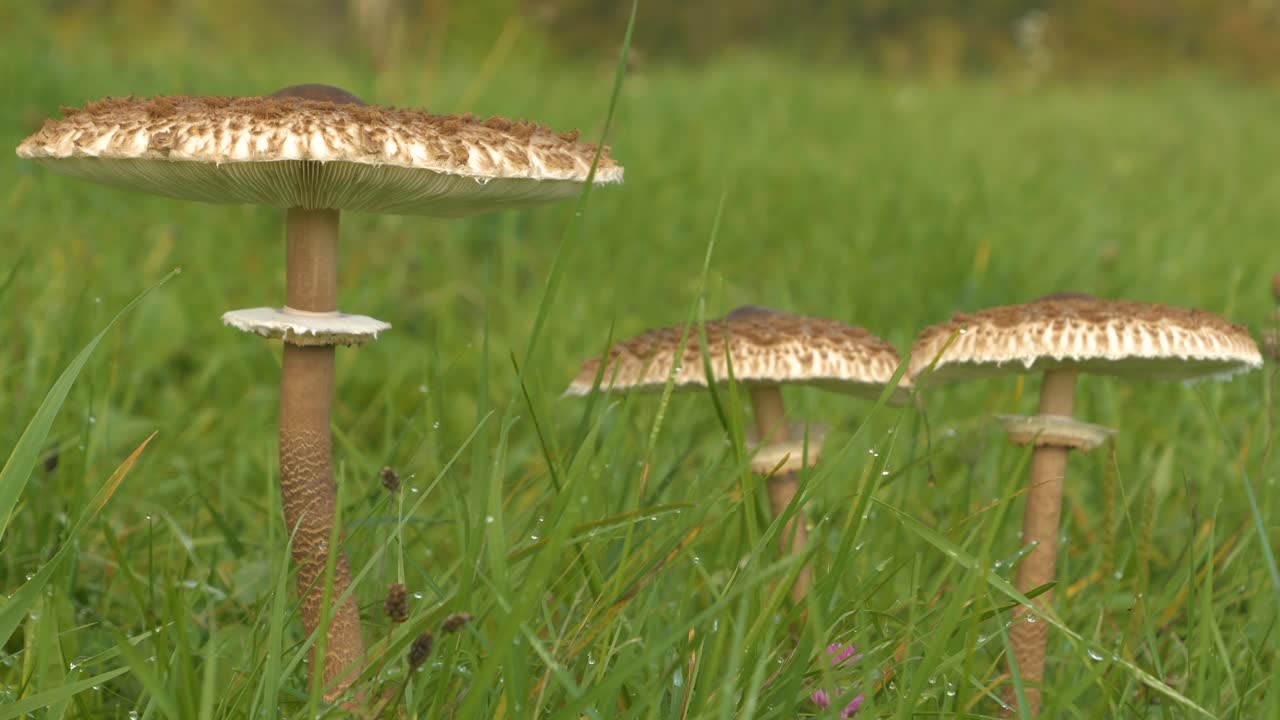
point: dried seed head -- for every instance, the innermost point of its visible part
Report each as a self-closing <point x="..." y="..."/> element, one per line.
<point x="397" y="603"/>
<point x="420" y="649"/>
<point x="454" y="622"/>
<point x="390" y="479"/>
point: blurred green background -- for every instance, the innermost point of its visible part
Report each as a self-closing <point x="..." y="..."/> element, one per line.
<point x="883" y="162"/>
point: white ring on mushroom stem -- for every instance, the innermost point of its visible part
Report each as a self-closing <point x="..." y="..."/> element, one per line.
<point x="1054" y="431"/>
<point x="786" y="457"/>
<point x="306" y="328"/>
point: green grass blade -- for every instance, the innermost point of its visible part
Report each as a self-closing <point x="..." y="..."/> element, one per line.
<point x="17" y="469"/>
<point x="19" y="603"/>
<point x="1264" y="541"/>
<point x="958" y="555"/>
<point x="27" y="705"/>
<point x="145" y="671"/>
<point x="557" y="266"/>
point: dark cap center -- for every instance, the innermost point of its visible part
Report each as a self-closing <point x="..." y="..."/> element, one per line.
<point x="322" y="93"/>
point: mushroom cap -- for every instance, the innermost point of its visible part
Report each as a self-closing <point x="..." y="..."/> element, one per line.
<point x="316" y="147"/>
<point x="766" y="347"/>
<point x="1107" y="337"/>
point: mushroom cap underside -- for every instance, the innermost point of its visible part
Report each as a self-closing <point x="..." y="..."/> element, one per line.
<point x="287" y="151"/>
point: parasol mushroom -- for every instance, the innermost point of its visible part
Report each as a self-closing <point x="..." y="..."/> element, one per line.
<point x="1064" y="335"/>
<point x="767" y="349"/>
<point x="315" y="150"/>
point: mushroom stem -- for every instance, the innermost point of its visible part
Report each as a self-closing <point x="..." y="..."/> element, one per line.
<point x="771" y="424"/>
<point x="306" y="458"/>
<point x="771" y="415"/>
<point x="1040" y="525"/>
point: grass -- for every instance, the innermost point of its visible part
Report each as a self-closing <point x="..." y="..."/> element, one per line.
<point x="615" y="554"/>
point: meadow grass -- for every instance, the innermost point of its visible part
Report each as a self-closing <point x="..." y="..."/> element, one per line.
<point x="615" y="554"/>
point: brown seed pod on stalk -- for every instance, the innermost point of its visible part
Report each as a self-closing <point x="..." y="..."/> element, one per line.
<point x="390" y="479"/>
<point x="454" y="622"/>
<point x="396" y="606"/>
<point x="315" y="151"/>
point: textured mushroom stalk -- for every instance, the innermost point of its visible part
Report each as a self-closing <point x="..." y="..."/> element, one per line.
<point x="1040" y="525"/>
<point x="771" y="424"/>
<point x="306" y="458"/>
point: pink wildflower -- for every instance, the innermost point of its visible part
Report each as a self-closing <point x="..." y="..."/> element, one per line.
<point x="839" y="655"/>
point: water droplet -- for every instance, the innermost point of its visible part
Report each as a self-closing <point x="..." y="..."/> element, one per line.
<point x="1094" y="655"/>
<point x="97" y="300"/>
<point x="418" y="596"/>
<point x="1031" y="618"/>
<point x="982" y="639"/>
<point x="133" y="715"/>
<point x="677" y="679"/>
<point x="30" y="575"/>
<point x="488" y="519"/>
<point x="413" y="490"/>
<point x="591" y="659"/>
<point x="1119" y="574"/>
<point x="933" y="679"/>
<point x="893" y="685"/>
<point x="951" y="689"/>
<point x="533" y="537"/>
<point x="435" y="425"/>
<point x="92" y="419"/>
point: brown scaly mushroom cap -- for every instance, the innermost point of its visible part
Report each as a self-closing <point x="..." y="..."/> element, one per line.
<point x="334" y="152"/>
<point x="766" y="347"/>
<point x="1075" y="331"/>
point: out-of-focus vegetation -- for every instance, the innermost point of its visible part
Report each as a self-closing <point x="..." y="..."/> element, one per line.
<point x="932" y="37"/>
<point x="613" y="555"/>
<point x="942" y="36"/>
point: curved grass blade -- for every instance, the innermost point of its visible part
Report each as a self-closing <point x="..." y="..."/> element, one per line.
<point x="25" y="455"/>
<point x="963" y="558"/>
<point x="25" y="706"/>
<point x="16" y="608"/>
